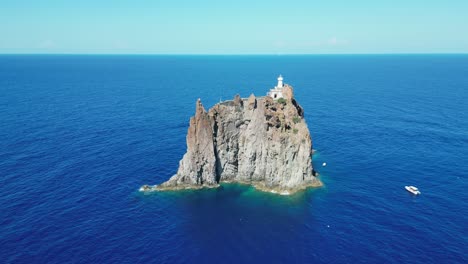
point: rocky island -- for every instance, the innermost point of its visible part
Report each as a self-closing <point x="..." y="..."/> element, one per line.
<point x="262" y="141"/>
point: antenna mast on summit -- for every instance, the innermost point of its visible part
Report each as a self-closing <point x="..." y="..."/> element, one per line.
<point x="220" y="93"/>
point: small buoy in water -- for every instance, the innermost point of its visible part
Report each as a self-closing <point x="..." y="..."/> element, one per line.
<point x="324" y="164"/>
<point x="328" y="226"/>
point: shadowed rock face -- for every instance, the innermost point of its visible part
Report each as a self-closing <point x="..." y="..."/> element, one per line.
<point x="256" y="140"/>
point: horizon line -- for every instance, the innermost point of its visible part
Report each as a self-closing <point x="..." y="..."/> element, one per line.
<point x="241" y="54"/>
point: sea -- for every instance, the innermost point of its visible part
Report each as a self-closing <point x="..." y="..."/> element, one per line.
<point x="80" y="134"/>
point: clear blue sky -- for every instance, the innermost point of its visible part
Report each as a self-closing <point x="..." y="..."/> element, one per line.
<point x="233" y="27"/>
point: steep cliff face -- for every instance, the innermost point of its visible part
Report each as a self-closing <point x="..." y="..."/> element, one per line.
<point x="258" y="141"/>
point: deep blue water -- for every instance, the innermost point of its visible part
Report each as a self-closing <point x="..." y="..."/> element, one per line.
<point x="80" y="134"/>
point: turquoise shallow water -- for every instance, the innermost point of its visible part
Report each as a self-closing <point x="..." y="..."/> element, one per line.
<point x="81" y="134"/>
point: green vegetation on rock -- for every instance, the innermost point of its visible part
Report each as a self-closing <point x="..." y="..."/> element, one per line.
<point x="296" y="119"/>
<point x="282" y="101"/>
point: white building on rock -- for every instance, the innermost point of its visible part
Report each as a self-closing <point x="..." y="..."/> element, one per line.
<point x="277" y="91"/>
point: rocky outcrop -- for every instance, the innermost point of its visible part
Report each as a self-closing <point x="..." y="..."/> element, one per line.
<point x="257" y="141"/>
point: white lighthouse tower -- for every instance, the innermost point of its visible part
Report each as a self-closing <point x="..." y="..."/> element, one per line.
<point x="280" y="82"/>
<point x="277" y="91"/>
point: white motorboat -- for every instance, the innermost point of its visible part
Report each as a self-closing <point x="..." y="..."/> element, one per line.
<point x="412" y="190"/>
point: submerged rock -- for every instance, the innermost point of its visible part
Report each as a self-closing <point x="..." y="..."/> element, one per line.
<point x="257" y="140"/>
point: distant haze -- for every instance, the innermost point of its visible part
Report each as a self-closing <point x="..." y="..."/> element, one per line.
<point x="234" y="27"/>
